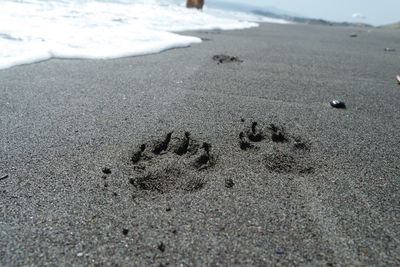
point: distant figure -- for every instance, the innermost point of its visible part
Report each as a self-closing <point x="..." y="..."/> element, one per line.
<point x="195" y="3"/>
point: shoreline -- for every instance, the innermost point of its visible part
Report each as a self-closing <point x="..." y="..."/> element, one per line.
<point x="306" y="185"/>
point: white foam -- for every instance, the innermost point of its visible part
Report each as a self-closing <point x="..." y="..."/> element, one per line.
<point x="34" y="30"/>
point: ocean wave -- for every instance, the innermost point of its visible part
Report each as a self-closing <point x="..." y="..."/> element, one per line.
<point x="33" y="30"/>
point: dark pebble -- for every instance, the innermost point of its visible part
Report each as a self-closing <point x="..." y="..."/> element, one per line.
<point x="106" y="170"/>
<point x="168" y="209"/>
<point x="338" y="104"/>
<point x="354" y="35"/>
<point x="280" y="252"/>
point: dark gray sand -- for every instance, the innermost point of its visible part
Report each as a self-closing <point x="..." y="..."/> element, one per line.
<point x="180" y="159"/>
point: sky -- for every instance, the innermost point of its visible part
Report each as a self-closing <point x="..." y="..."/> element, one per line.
<point x="375" y="12"/>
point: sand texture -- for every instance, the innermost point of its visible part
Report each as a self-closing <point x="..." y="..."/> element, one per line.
<point x="224" y="153"/>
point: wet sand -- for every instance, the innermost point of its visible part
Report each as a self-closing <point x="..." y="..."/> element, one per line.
<point x="184" y="158"/>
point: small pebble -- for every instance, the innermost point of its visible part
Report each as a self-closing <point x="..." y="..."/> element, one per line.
<point x="280" y="252"/>
<point x="388" y="49"/>
<point x="353" y="35"/>
<point x="80" y="254"/>
<point x="338" y="104"/>
<point x="4" y="177"/>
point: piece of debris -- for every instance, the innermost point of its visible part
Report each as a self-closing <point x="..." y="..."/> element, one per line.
<point x="398" y="78"/>
<point x="280" y="252"/>
<point x="338" y="104"/>
<point x="195" y="4"/>
<point x="4" y="177"/>
<point x="353" y="35"/>
<point x="388" y="49"/>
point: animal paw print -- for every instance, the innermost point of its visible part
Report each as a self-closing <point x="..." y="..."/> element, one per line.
<point x="171" y="164"/>
<point x="281" y="152"/>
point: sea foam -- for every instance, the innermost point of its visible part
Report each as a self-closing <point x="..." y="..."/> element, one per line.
<point x="34" y="30"/>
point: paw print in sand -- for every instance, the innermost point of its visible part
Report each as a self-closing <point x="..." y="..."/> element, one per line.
<point x="171" y="164"/>
<point x="281" y="152"/>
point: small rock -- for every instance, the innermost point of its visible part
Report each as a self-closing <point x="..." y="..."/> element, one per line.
<point x="338" y="103"/>
<point x="4" y="177"/>
<point x="388" y="49"/>
<point x="280" y="252"/>
<point x="353" y="35"/>
<point x="80" y="254"/>
<point x="106" y="170"/>
<point x="398" y="78"/>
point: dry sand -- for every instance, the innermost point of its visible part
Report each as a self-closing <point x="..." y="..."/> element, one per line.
<point x="258" y="168"/>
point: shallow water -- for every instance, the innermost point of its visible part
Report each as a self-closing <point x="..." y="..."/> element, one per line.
<point x="33" y="30"/>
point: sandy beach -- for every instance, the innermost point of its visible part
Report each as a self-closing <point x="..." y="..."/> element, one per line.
<point x="184" y="158"/>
